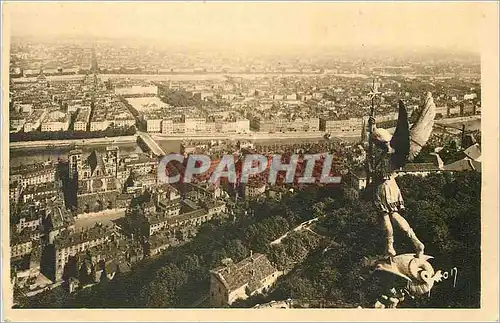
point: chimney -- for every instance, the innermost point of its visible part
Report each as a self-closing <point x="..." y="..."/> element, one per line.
<point x="251" y="254"/>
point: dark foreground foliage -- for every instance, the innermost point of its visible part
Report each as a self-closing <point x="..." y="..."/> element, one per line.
<point x="443" y="209"/>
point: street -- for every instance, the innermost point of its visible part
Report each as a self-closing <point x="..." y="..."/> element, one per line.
<point x="106" y="218"/>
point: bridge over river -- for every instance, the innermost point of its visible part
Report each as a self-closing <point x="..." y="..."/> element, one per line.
<point x="149" y="144"/>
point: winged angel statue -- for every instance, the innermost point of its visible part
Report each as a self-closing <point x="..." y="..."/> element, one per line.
<point x="390" y="153"/>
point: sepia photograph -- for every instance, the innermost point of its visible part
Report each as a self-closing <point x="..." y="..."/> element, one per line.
<point x="244" y="156"/>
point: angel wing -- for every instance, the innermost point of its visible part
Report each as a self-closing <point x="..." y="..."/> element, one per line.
<point x="422" y="128"/>
<point x="400" y="141"/>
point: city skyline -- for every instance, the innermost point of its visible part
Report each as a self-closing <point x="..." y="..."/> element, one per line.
<point x="260" y="27"/>
<point x="210" y="155"/>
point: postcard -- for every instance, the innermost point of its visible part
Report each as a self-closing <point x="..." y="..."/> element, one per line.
<point x="249" y="161"/>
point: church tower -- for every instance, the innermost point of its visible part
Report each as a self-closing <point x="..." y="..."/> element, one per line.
<point x="111" y="159"/>
<point x="75" y="162"/>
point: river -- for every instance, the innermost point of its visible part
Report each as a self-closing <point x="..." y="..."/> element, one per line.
<point x="185" y="77"/>
<point x="32" y="155"/>
<point x="21" y="156"/>
<point x="455" y="127"/>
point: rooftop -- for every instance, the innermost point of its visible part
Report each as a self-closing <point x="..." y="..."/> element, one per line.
<point x="76" y="238"/>
<point x="18" y="238"/>
<point x="186" y="216"/>
<point x="32" y="168"/>
<point x="463" y="165"/>
<point x="473" y="152"/>
<point x="59" y="216"/>
<point x="134" y="159"/>
<point x="419" y="167"/>
<point x="250" y="271"/>
<point x="39" y="188"/>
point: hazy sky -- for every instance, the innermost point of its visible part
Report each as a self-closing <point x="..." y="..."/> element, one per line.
<point x="254" y="25"/>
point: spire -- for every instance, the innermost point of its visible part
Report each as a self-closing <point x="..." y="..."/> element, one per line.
<point x="94" y="68"/>
<point x="363" y="131"/>
<point x="374" y="94"/>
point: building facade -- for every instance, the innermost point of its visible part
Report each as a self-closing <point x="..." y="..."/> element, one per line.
<point x="251" y="276"/>
<point x="97" y="184"/>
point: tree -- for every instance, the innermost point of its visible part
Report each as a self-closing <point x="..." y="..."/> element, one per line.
<point x="278" y="256"/>
<point x="444" y="210"/>
<point x="237" y="250"/>
<point x="163" y="290"/>
<point x="54" y="298"/>
<point x="298" y="287"/>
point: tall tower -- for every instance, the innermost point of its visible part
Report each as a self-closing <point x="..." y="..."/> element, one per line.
<point x="94" y="68"/>
<point x="112" y="158"/>
<point x="75" y="162"/>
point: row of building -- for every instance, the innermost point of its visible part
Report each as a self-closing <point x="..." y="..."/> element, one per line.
<point x="109" y="111"/>
<point x="44" y="231"/>
<point x="200" y="125"/>
<point x="286" y="124"/>
<point x="54" y="106"/>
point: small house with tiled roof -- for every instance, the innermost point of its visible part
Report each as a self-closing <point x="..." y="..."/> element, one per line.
<point x="251" y="276"/>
